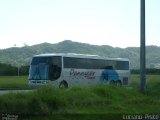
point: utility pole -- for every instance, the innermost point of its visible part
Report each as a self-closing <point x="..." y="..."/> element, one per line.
<point x="18" y="70"/>
<point x="142" y="48"/>
<point x="17" y="67"/>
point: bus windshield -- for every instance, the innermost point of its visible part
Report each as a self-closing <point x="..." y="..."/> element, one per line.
<point x="38" y="72"/>
<point x="45" y="68"/>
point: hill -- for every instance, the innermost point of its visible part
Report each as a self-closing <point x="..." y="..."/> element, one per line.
<point x="22" y="55"/>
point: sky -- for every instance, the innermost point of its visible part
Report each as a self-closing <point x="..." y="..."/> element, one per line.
<point x="98" y="22"/>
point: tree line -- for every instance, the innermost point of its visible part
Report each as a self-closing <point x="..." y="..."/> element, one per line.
<point x="153" y="71"/>
<point x="10" y="70"/>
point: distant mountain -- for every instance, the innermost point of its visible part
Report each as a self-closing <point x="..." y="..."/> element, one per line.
<point x="23" y="55"/>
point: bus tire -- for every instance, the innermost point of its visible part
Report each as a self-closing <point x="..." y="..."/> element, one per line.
<point x="119" y="83"/>
<point x="63" y="84"/>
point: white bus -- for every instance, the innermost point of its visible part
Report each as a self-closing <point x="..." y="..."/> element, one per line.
<point x="70" y="69"/>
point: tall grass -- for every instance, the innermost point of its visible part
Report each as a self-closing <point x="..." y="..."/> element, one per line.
<point x="98" y="99"/>
<point x="95" y="100"/>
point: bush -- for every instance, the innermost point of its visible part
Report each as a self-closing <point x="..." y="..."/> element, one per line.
<point x="100" y="99"/>
<point x="9" y="70"/>
<point x="152" y="71"/>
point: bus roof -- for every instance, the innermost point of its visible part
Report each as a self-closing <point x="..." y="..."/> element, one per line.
<point x="80" y="56"/>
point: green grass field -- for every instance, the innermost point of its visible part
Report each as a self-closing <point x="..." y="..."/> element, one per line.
<point x="91" y="103"/>
<point x="20" y="82"/>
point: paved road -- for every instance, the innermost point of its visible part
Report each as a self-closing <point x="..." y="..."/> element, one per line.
<point x="13" y="91"/>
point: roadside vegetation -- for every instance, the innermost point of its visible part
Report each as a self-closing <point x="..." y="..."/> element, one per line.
<point x="88" y="102"/>
<point x="13" y="82"/>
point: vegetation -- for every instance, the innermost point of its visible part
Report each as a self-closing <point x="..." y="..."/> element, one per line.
<point x="10" y="70"/>
<point x="150" y="71"/>
<point x="22" y="56"/>
<point x="13" y="82"/>
<point x="7" y="69"/>
<point x="95" y="102"/>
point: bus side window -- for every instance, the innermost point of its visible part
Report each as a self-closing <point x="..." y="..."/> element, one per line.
<point x="109" y="67"/>
<point x="54" y="72"/>
<point x="55" y="68"/>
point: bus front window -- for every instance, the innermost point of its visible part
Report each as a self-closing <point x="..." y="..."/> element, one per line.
<point x="45" y="68"/>
<point x="39" y="72"/>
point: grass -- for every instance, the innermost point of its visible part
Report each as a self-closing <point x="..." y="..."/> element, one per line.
<point x="9" y="82"/>
<point x="85" y="102"/>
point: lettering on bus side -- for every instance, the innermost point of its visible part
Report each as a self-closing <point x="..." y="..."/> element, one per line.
<point x="85" y="74"/>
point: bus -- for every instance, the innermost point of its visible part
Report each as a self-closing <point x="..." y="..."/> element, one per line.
<point x="69" y="69"/>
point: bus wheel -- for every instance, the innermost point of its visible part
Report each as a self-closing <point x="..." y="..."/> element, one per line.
<point x="119" y="83"/>
<point x="112" y="82"/>
<point x="63" y="84"/>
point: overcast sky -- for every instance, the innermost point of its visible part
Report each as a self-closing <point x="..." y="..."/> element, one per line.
<point x="98" y="22"/>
